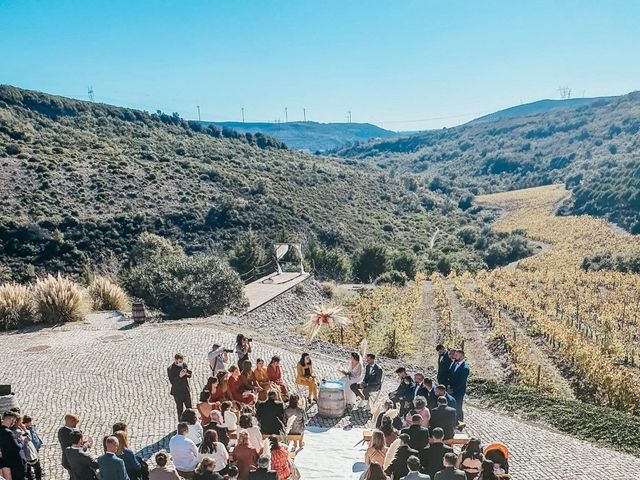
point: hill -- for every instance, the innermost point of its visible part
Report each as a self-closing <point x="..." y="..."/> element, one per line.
<point x="80" y="181"/>
<point x="312" y="136"/>
<point x="533" y="108"/>
<point x="593" y="148"/>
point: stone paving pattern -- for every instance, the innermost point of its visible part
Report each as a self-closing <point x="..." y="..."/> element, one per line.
<point x="108" y="370"/>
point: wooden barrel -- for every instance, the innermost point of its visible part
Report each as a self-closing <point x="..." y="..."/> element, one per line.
<point x="138" y="313"/>
<point x="331" y="401"/>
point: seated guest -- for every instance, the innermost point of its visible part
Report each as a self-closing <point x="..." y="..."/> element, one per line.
<point x="444" y="417"/>
<point x="241" y="384"/>
<point x="377" y="449"/>
<point x="212" y="448"/>
<point x="441" y="391"/>
<point x="418" y="378"/>
<point x="205" y="405"/>
<point x="255" y="436"/>
<point x="396" y="419"/>
<point x="270" y="414"/>
<point x="275" y="375"/>
<point x="432" y="456"/>
<point x="244" y="456"/>
<point x="131" y="463"/>
<point x="413" y="464"/>
<point x="162" y="470"/>
<point x="220" y="391"/>
<point x="79" y="464"/>
<point x="487" y="471"/>
<point x="375" y="472"/>
<point x="372" y="381"/>
<point x="229" y="417"/>
<point x="217" y="425"/>
<point x="232" y="473"/>
<point x="111" y="464"/>
<point x="195" y="429"/>
<point x="263" y="472"/>
<point x="299" y="424"/>
<point x="183" y="451"/>
<point x="262" y="382"/>
<point x="279" y="458"/>
<point x="449" y="472"/>
<point x="306" y="376"/>
<point x="419" y="408"/>
<point x="428" y="390"/>
<point x="403" y="395"/>
<point x="471" y="458"/>
<point x="204" y="470"/>
<point x="398" y="466"/>
<point x="418" y="435"/>
<point x="390" y="433"/>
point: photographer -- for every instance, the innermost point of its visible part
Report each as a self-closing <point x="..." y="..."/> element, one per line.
<point x="243" y="348"/>
<point x="218" y="356"/>
<point x="179" y="375"/>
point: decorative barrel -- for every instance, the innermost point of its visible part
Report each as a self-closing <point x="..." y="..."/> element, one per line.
<point x="7" y="399"/>
<point x="331" y="401"/>
<point x="138" y="313"/>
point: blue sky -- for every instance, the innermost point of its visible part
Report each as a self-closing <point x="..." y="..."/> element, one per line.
<point x="405" y="65"/>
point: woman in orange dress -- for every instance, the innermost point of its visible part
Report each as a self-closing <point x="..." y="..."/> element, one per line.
<point x="275" y="375"/>
<point x="261" y="378"/>
<point x="220" y="390"/>
<point x="241" y="383"/>
<point x="206" y="404"/>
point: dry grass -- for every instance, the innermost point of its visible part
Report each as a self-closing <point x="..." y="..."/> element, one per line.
<point x="60" y="300"/>
<point x="16" y="306"/>
<point x="106" y="295"/>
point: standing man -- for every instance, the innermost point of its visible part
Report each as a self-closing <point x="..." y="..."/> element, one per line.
<point x="110" y="465"/>
<point x="179" y="375"/>
<point x="10" y="449"/>
<point x="458" y="381"/>
<point x="444" y="363"/>
<point x="218" y="356"/>
<point x="80" y="464"/>
<point x="372" y="381"/>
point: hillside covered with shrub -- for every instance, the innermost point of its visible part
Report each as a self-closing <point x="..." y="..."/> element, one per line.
<point x="594" y="148"/>
<point x="81" y="181"/>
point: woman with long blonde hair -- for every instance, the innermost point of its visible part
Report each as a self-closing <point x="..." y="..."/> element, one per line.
<point x="377" y="449"/>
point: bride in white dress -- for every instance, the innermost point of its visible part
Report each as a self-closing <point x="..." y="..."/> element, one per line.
<point x="355" y="374"/>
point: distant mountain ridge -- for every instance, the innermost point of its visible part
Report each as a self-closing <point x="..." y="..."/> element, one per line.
<point x="311" y="136"/>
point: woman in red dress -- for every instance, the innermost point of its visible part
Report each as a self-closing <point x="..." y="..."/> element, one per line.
<point x="239" y="384"/>
<point x="275" y="375"/>
<point x="220" y="390"/>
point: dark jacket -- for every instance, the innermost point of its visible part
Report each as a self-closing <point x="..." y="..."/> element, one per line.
<point x="396" y="422"/>
<point x="131" y="463"/>
<point x="444" y="362"/>
<point x="398" y="467"/>
<point x="431" y="458"/>
<point x="223" y="433"/>
<point x="458" y="378"/>
<point x="406" y="390"/>
<point x="10" y="449"/>
<point x="419" y="436"/>
<point x="444" y="417"/>
<point x="430" y="395"/>
<point x="270" y="414"/>
<point x="179" y="385"/>
<point x="80" y="464"/>
<point x="450" y="473"/>
<point x="263" y="474"/>
<point x="64" y="437"/>
<point x="112" y="467"/>
<point x="207" y="476"/>
<point x="372" y="376"/>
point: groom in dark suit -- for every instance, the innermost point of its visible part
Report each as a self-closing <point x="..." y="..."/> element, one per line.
<point x="458" y="375"/>
<point x="372" y="381"/>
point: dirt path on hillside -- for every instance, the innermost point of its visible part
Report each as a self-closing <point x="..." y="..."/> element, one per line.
<point x="483" y="363"/>
<point x="428" y="330"/>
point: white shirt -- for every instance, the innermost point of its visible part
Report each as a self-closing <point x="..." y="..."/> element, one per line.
<point x="195" y="433"/>
<point x="184" y="453"/>
<point x="230" y="421"/>
<point x="255" y="437"/>
<point x="221" y="457"/>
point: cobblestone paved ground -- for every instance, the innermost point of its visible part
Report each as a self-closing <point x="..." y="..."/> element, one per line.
<point x="107" y="370"/>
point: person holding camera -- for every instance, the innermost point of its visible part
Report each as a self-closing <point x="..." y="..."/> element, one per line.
<point x="243" y="349"/>
<point x="179" y="375"/>
<point x="218" y="356"/>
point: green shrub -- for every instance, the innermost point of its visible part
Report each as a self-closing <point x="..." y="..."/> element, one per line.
<point x="149" y="247"/>
<point x="16" y="306"/>
<point x="247" y="254"/>
<point x="183" y="286"/>
<point x="106" y="295"/>
<point x="328" y="263"/>
<point x="58" y="299"/>
<point x="405" y="262"/>
<point x="369" y="263"/>
<point x="392" y="277"/>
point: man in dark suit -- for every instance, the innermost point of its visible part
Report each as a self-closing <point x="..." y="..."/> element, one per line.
<point x="372" y="381"/>
<point x="110" y="465"/>
<point x="418" y="435"/>
<point x="397" y="420"/>
<point x="441" y="391"/>
<point x="398" y="467"/>
<point x="270" y="414"/>
<point x="79" y="464"/>
<point x="179" y="375"/>
<point x="263" y="472"/>
<point x="443" y="417"/>
<point x="431" y="457"/>
<point x="403" y="395"/>
<point x="10" y="448"/>
<point x="450" y="472"/>
<point x="444" y="362"/>
<point x="64" y="433"/>
<point x="458" y="376"/>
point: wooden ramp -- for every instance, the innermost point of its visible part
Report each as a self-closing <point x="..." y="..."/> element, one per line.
<point x="267" y="288"/>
